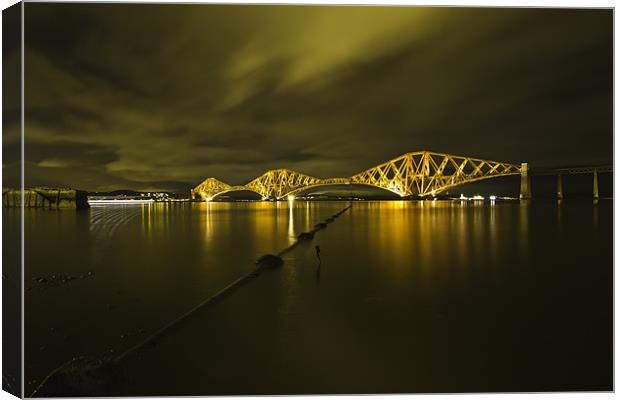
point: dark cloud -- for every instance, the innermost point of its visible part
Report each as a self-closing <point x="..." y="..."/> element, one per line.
<point x="163" y="96"/>
<point x="65" y="119"/>
<point x="69" y="154"/>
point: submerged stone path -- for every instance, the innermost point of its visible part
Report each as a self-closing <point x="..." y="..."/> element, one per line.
<point x="83" y="376"/>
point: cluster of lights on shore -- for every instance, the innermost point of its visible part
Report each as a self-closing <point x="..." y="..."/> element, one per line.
<point x="476" y="197"/>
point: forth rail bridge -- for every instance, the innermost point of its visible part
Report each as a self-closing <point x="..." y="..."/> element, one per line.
<point x="421" y="174"/>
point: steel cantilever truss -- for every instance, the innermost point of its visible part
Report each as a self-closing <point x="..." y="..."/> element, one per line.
<point x="278" y="183"/>
<point x="421" y="173"/>
<point x="425" y="173"/>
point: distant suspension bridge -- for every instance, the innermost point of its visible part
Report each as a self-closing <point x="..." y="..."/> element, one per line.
<point x="421" y="174"/>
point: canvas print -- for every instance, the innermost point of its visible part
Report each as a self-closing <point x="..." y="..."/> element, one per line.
<point x="235" y="199"/>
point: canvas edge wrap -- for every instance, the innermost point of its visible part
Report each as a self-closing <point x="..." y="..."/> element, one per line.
<point x="12" y="176"/>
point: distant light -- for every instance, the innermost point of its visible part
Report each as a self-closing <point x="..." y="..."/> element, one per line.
<point x="478" y="197"/>
<point x="209" y="199"/>
<point x="463" y="197"/>
<point x="128" y="201"/>
<point x="492" y="198"/>
<point x="291" y="197"/>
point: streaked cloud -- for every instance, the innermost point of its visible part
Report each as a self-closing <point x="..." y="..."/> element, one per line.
<point x="146" y="95"/>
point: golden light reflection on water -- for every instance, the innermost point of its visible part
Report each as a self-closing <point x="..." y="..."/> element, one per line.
<point x="291" y="222"/>
<point x="493" y="236"/>
<point x="266" y="226"/>
<point x="410" y="239"/>
<point x="424" y="238"/>
<point x="269" y="225"/>
<point x="170" y="256"/>
<point x="208" y="221"/>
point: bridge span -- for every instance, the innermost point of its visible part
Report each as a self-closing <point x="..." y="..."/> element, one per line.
<point x="422" y="174"/>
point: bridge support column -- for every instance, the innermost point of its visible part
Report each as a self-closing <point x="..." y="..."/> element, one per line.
<point x="560" y="190"/>
<point x="595" y="185"/>
<point x="526" y="191"/>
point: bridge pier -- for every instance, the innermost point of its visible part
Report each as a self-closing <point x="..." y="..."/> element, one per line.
<point x="560" y="190"/>
<point x="526" y="191"/>
<point x="595" y="186"/>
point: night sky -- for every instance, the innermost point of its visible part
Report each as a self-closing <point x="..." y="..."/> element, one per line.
<point x="160" y="97"/>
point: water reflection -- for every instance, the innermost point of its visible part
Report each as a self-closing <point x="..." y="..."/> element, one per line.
<point x="157" y="260"/>
<point x="148" y="260"/>
<point x="105" y="220"/>
<point x="426" y="238"/>
<point x="493" y="247"/>
<point x="291" y="222"/>
<point x="208" y="221"/>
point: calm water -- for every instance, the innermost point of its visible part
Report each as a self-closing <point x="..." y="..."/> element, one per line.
<point x="409" y="297"/>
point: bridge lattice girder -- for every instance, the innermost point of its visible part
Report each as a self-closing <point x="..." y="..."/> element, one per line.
<point x="427" y="173"/>
<point x="421" y="173"/>
<point x="211" y="187"/>
<point x="278" y="183"/>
